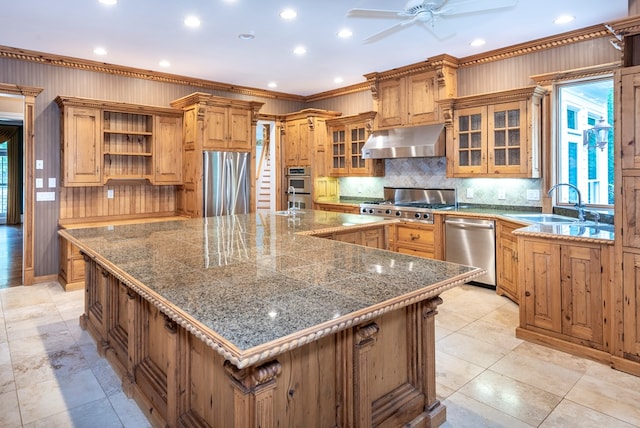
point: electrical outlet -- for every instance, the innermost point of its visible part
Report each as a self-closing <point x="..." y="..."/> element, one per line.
<point x="470" y="193"/>
<point x="502" y="194"/>
<point x="110" y="194"/>
<point x="533" y="195"/>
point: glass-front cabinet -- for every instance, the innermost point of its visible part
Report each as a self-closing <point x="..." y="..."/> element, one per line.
<point x="495" y="138"/>
<point x="347" y="136"/>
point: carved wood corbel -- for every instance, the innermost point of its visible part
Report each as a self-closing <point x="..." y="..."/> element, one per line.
<point x="311" y="123"/>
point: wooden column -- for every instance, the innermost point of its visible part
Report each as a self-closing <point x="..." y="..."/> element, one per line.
<point x="365" y="339"/>
<point x="253" y="394"/>
<point x="435" y="410"/>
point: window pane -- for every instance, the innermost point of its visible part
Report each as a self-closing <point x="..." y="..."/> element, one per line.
<point x="476" y="122"/>
<point x="464" y="158"/>
<point x="514" y="118"/>
<point x="476" y="157"/>
<point x="463" y="123"/>
<point x="464" y="141"/>
<point x="476" y="140"/>
<point x="514" y="156"/>
<point x="499" y="119"/>
<point x="514" y="137"/>
<point x="583" y="161"/>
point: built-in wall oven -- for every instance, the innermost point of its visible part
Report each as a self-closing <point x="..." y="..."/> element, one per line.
<point x="299" y="187"/>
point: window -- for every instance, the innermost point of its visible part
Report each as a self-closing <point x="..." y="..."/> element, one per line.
<point x="587" y="163"/>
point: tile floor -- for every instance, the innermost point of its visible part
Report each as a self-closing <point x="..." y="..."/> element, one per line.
<point x="51" y="376"/>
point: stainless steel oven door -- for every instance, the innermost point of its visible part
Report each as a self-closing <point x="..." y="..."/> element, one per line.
<point x="303" y="202"/>
<point x="301" y="183"/>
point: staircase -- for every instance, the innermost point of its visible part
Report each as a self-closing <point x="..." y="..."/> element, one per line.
<point x="263" y="184"/>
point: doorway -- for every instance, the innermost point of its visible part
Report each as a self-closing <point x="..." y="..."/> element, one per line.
<point x="265" y="149"/>
<point x="11" y="189"/>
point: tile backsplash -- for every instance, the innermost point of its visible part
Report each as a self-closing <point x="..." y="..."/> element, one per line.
<point x="431" y="172"/>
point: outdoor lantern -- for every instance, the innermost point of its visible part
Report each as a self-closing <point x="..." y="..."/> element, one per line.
<point x="601" y="133"/>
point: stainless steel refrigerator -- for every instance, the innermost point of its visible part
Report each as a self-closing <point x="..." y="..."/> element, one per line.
<point x="226" y="183"/>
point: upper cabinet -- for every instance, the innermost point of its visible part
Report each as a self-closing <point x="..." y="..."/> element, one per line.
<point x="409" y="95"/>
<point x="227" y="128"/>
<point x="304" y="135"/>
<point x="495" y="135"/>
<point x="347" y="135"/>
<point x="104" y="141"/>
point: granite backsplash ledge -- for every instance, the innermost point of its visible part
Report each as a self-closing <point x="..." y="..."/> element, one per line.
<point x="431" y="172"/>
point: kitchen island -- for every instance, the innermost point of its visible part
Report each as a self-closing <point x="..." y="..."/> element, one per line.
<point x="244" y="321"/>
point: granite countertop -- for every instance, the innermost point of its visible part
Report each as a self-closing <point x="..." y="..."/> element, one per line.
<point x="253" y="286"/>
<point x="570" y="232"/>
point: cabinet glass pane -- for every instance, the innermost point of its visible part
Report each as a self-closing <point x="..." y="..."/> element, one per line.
<point x="463" y="158"/>
<point x="514" y="157"/>
<point x="499" y="138"/>
<point x="463" y="123"/>
<point x="499" y="119"/>
<point x="476" y="157"/>
<point x="499" y="157"/>
<point x="464" y="141"/>
<point x="514" y="137"/>
<point x="514" y="118"/>
<point x="476" y="122"/>
<point x="476" y="140"/>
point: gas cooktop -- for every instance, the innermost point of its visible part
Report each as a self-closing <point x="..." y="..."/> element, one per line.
<point x="411" y="203"/>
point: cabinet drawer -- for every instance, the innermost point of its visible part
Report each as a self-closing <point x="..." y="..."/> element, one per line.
<point x="425" y="252"/>
<point x="415" y="236"/>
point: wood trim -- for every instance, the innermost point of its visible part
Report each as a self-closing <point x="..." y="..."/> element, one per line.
<point x="63" y="100"/>
<point x="344" y="120"/>
<point x="577" y="73"/>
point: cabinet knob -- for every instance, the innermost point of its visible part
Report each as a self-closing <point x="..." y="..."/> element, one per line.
<point x="414" y="237"/>
<point x="527" y="293"/>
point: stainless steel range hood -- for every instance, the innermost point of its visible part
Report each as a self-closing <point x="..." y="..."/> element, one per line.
<point x="407" y="142"/>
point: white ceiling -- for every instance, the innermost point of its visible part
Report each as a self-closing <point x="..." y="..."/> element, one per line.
<point x="140" y="33"/>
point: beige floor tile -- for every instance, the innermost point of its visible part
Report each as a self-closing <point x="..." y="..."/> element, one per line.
<point x="45" y="399"/>
<point x="507" y="316"/>
<point x="443" y="391"/>
<point x="493" y="334"/>
<point x="465" y="412"/>
<point x="51" y="341"/>
<point x="569" y="415"/>
<point x="602" y="395"/>
<point x="451" y="320"/>
<point x="522" y="401"/>
<point x="47" y="322"/>
<point x="49" y="366"/>
<point x="441" y="333"/>
<point x="5" y="355"/>
<point x="541" y="374"/>
<point x="555" y="357"/>
<point x="471" y="349"/>
<point x="454" y="372"/>
<point x="96" y="414"/>
<point x="128" y="412"/>
<point x="24" y="296"/>
<point x="7" y="382"/>
<point x="9" y="410"/>
<point x="107" y="377"/>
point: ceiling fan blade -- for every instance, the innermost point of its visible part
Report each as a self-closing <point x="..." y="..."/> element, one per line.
<point x="388" y="31"/>
<point x="373" y="13"/>
<point x="461" y="7"/>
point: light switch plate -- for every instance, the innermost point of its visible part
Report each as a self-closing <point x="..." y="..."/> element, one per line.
<point x="45" y="196"/>
<point x="39" y="183"/>
<point x="39" y="164"/>
<point x="52" y="182"/>
<point x="502" y="194"/>
<point x="110" y="194"/>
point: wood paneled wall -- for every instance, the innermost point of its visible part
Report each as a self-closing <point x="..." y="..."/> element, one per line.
<point x="81" y="83"/>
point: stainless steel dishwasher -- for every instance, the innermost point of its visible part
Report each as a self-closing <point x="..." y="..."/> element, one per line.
<point x="472" y="242"/>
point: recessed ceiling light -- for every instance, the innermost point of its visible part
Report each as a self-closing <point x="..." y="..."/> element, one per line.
<point x="272" y="85"/>
<point x="100" y="51"/>
<point x="192" y="21"/>
<point x="564" y="19"/>
<point x="478" y="42"/>
<point x="109" y="2"/>
<point x="164" y="63"/>
<point x="288" y="14"/>
<point x="300" y="50"/>
<point x="345" y="33"/>
<point x="247" y="36"/>
<point x="338" y="80"/>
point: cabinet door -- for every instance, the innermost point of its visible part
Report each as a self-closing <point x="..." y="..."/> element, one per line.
<point x="291" y="137"/>
<point x="305" y="136"/>
<point x="357" y="137"/>
<point x="167" y="150"/>
<point x="215" y="134"/>
<point x="391" y="109"/>
<point x="582" y="293"/>
<point x="374" y="238"/>
<point x="239" y="129"/>
<point x="629" y="128"/>
<point x="631" y="305"/>
<point x="82" y="147"/>
<point x="542" y="291"/>
<point x="507" y="263"/>
<point x="630" y="211"/>
<point x="470" y="141"/>
<point x="338" y="151"/>
<point x="507" y="139"/>
<point x="421" y="98"/>
<point x="354" y="237"/>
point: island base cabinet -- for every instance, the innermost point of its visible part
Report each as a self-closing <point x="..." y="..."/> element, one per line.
<point x="380" y="372"/>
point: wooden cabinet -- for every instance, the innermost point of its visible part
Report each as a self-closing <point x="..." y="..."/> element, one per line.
<point x="417" y="239"/>
<point x="81" y="146"/>
<point x="566" y="286"/>
<point x="496" y="135"/>
<point x="304" y="135"/>
<point x="374" y="236"/>
<point x="103" y="141"/>
<point x="227" y="128"/>
<point x="409" y="96"/>
<point x="212" y="123"/>
<point x="339" y="208"/>
<point x="347" y="135"/>
<point x="507" y="260"/>
<point x="71" y="266"/>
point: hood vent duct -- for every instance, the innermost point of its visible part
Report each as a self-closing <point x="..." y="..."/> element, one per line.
<point x="409" y="142"/>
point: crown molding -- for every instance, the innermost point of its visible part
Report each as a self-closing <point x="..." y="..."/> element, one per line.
<point x="577" y="73"/>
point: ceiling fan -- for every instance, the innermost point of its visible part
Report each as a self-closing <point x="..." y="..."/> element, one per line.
<point x="431" y="15"/>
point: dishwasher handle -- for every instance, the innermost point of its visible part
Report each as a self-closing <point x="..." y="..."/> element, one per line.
<point x="463" y="225"/>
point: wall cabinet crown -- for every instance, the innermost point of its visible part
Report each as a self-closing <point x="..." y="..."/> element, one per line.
<point x="347" y="135"/>
<point x="409" y="95"/>
<point x="103" y="141"/>
<point x="495" y="135"/>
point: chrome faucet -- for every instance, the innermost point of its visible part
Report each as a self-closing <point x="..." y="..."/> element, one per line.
<point x="292" y="205"/>
<point x="579" y="205"/>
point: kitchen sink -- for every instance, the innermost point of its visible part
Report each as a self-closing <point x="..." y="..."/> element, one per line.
<point x="542" y="218"/>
